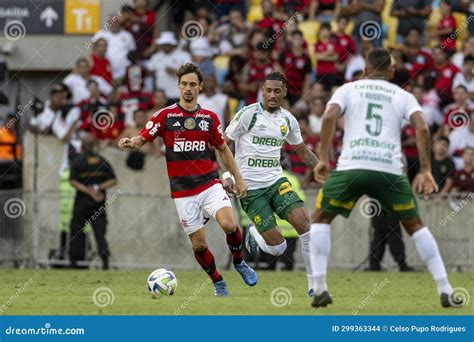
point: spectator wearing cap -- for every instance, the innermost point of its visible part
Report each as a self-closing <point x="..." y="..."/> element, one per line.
<point x="77" y="80"/>
<point x="120" y="43"/>
<point x="466" y="76"/>
<point x="461" y="138"/>
<point x="100" y="64"/>
<point x="410" y="13"/>
<point x="165" y="62"/>
<point x="43" y="122"/>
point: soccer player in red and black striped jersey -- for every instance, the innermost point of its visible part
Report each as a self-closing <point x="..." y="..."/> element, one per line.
<point x="188" y="132"/>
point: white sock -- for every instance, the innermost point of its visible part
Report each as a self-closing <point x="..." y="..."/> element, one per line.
<point x="428" y="250"/>
<point x="305" y="252"/>
<point x="273" y="250"/>
<point x="320" y="247"/>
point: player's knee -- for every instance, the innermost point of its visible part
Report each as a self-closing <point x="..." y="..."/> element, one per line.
<point x="228" y="225"/>
<point x="199" y="246"/>
<point x="277" y="250"/>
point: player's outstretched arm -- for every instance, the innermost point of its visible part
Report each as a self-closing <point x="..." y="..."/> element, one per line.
<point x="424" y="181"/>
<point x="321" y="171"/>
<point x="228" y="161"/>
<point x="133" y="144"/>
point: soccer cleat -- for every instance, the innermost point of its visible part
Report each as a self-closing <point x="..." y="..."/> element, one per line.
<point x="451" y="301"/>
<point x="310" y="293"/>
<point x="248" y="275"/>
<point x="250" y="243"/>
<point x="321" y="300"/>
<point x="220" y="289"/>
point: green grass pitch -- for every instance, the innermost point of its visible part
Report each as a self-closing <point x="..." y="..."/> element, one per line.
<point x="63" y="292"/>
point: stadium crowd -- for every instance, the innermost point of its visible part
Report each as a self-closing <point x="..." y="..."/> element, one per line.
<point x="318" y="45"/>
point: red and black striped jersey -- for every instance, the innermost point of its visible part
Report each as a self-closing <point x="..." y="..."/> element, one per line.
<point x="296" y="68"/>
<point x="187" y="137"/>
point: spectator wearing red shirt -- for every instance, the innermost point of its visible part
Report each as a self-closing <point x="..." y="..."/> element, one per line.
<point x="109" y="130"/>
<point x="443" y="72"/>
<point x="296" y="165"/>
<point x="346" y="45"/>
<point x="133" y="96"/>
<point x="418" y="60"/>
<point x="100" y="63"/>
<point x="327" y="54"/>
<point x="90" y="106"/>
<point x="463" y="180"/>
<point x="259" y="66"/>
<point x="297" y="68"/>
<point x="460" y="107"/>
<point x="140" y="22"/>
<point x="410" y="150"/>
<point x="446" y="28"/>
<point x="272" y="19"/>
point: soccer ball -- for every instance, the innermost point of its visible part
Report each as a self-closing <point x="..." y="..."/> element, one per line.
<point x="162" y="282"/>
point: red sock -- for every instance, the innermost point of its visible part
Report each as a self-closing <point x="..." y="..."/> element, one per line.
<point x="234" y="240"/>
<point x="206" y="260"/>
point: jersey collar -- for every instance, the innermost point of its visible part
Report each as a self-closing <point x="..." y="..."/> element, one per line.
<point x="198" y="107"/>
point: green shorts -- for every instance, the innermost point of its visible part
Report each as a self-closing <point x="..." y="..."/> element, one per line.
<point x="261" y="204"/>
<point x="343" y="188"/>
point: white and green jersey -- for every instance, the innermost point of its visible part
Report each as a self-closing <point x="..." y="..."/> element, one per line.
<point x="373" y="115"/>
<point x="259" y="136"/>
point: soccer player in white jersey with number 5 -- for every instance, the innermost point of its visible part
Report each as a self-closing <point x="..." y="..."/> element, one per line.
<point x="371" y="164"/>
<point x="259" y="131"/>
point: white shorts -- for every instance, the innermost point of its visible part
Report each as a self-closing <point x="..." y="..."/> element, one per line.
<point x="191" y="209"/>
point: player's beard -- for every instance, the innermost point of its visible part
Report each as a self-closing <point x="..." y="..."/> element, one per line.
<point x="188" y="98"/>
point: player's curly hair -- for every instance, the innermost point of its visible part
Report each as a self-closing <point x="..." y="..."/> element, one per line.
<point x="189" y="68"/>
<point x="276" y="76"/>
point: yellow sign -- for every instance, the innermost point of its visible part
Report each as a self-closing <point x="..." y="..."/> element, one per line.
<point x="81" y="16"/>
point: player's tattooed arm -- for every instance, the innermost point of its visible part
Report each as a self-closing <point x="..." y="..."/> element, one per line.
<point x="306" y="155"/>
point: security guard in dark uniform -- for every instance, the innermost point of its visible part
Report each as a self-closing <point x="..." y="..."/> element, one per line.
<point x="91" y="175"/>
